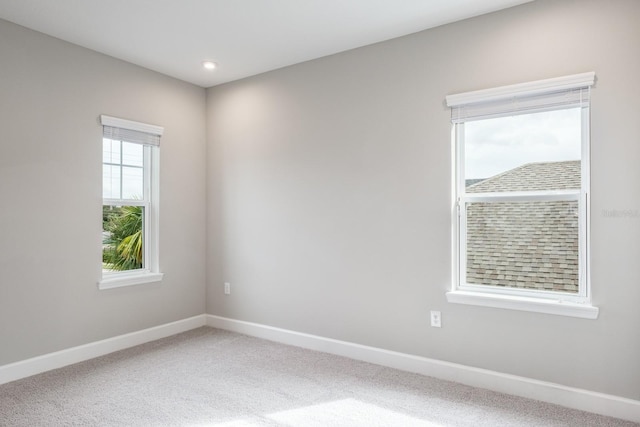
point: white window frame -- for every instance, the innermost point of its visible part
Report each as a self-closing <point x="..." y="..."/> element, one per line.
<point x="482" y="105"/>
<point x="150" y="272"/>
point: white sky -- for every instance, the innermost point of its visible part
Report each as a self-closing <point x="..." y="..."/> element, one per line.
<point x="496" y="145"/>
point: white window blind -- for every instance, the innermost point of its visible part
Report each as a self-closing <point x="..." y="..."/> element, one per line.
<point x="538" y="96"/>
<point x="130" y="131"/>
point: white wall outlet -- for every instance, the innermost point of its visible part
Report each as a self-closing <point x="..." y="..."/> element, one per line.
<point x="227" y="288"/>
<point x="436" y="319"/>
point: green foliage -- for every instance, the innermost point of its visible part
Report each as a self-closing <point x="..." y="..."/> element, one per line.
<point x="122" y="244"/>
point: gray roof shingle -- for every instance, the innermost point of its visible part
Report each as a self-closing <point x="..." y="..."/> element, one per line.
<point x="533" y="177"/>
<point x="532" y="245"/>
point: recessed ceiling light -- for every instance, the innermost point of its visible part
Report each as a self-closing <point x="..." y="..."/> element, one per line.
<point x="209" y="65"/>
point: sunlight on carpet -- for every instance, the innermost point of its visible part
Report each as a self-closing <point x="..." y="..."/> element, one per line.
<point x="351" y="412"/>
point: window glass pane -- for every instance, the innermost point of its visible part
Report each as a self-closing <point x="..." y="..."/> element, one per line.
<point x="110" y="182"/>
<point x="110" y="151"/>
<point x="540" y="151"/>
<point x="132" y="154"/>
<point x="122" y="238"/>
<point x="132" y="183"/>
<point x="531" y="245"/>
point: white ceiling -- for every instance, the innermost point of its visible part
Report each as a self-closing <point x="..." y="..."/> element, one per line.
<point x="245" y="37"/>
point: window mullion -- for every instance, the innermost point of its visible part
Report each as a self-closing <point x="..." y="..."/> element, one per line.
<point x="521" y="197"/>
<point x="123" y="202"/>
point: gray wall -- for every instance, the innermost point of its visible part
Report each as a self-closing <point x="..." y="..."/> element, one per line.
<point x="329" y="194"/>
<point x="51" y="96"/>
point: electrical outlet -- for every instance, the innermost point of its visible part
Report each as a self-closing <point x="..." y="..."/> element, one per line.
<point x="436" y="319"/>
<point x="227" y="288"/>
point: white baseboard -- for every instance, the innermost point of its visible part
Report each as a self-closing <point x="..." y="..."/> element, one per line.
<point x="59" y="359"/>
<point x="585" y="400"/>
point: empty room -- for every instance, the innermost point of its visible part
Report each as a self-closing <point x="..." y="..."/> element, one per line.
<point x="319" y="213"/>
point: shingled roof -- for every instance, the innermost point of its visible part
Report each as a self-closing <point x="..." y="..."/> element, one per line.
<point x="531" y="245"/>
<point x="533" y="177"/>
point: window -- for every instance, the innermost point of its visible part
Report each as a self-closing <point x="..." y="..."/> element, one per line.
<point x="129" y="202"/>
<point x="521" y="196"/>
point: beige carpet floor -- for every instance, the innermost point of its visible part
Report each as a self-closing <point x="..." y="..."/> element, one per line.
<point x="210" y="377"/>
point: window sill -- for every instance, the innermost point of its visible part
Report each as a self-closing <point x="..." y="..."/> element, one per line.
<point x="119" y="280"/>
<point x="561" y="308"/>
